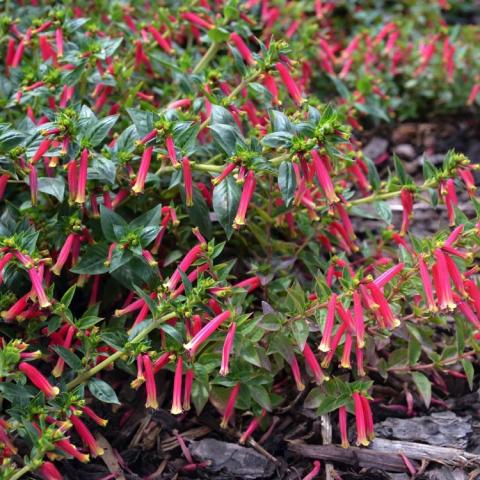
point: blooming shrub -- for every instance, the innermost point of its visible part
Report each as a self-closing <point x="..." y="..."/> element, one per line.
<point x="177" y="197"/>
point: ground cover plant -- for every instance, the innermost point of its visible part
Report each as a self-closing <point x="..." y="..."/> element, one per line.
<point x="181" y="185"/>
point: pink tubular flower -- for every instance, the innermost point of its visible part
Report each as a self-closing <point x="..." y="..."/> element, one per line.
<point x="92" y="415"/>
<point x="254" y="424"/>
<point x="406" y="198"/>
<point x="149" y="136"/>
<point x="194" y="19"/>
<point x="206" y="331"/>
<point x="229" y="409"/>
<point x="48" y="471"/>
<point x="187" y="391"/>
<point x="162" y="42"/>
<point x="342" y="421"/>
<point x="367" y="412"/>
<point x="358" y="319"/>
<point x="227" y="348"/>
<point x="3" y="262"/>
<point x="250" y="284"/>
<point x="177" y="388"/>
<point x="271" y="86"/>
<point x="143" y="170"/>
<point x="313" y="364"/>
<point x="242" y="48"/>
<point x="87" y="438"/>
<point x="38" y="288"/>
<point x="185" y="264"/>
<point x="360" y="420"/>
<point x="469" y="181"/>
<point x="82" y="178"/>
<point x="3" y="184"/>
<point x="441" y="280"/>
<point x="246" y="197"/>
<point x="63" y="255"/>
<point x="386" y="276"/>
<point x="38" y="380"/>
<point x="71" y="449"/>
<point x="150" y="384"/>
<point x="347" y="350"/>
<point x="449" y="196"/>
<point x="314" y="472"/>
<point x="289" y="83"/>
<point x="226" y="172"/>
<point x="187" y="179"/>
<point x="5" y="439"/>
<point x="455" y="275"/>
<point x="296" y="373"/>
<point x="59" y="366"/>
<point x="41" y="150"/>
<point x="172" y="154"/>
<point x="59" y="42"/>
<point x="324" y="179"/>
<point x="427" y="284"/>
<point x="473" y="94"/>
<point x="474" y="294"/>
<point x="17" y="58"/>
<point x="160" y="362"/>
<point x="384" y="310"/>
<point x="325" y="343"/>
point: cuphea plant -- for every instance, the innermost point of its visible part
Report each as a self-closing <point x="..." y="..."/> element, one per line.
<point x="176" y="196"/>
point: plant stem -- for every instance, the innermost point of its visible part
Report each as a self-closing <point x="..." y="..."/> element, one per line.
<point x="20" y="473"/>
<point x="82" y="377"/>
<point x="207" y="58"/>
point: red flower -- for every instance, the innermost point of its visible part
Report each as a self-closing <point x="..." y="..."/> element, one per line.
<point x="143" y="170"/>
<point x="177" y="388"/>
<point x="323" y="178"/>
<point x="325" y="343"/>
<point x="38" y="380"/>
<point x="313" y="364"/>
<point x="187" y="178"/>
<point x="251" y="428"/>
<point x="242" y="48"/>
<point x="206" y="331"/>
<point x="360" y="420"/>
<point x="342" y="420"/>
<point x="187" y="392"/>
<point x="86" y="436"/>
<point x="246" y="197"/>
<point x="229" y="409"/>
<point x="227" y="348"/>
<point x="82" y="177"/>
<point x="150" y="384"/>
<point x="48" y="471"/>
<point x="289" y="83"/>
<point x="63" y="255"/>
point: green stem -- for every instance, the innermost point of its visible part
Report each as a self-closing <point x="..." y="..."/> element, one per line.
<point x="242" y="84"/>
<point x="207" y="58"/>
<point x="20" y="473"/>
<point x="82" y="377"/>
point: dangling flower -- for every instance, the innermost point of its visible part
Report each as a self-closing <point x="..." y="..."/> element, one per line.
<point x="91" y="414"/>
<point x="193" y="345"/>
<point x="325" y="343"/>
<point x="406" y="198"/>
<point x="185" y="264"/>
<point x="71" y="450"/>
<point x="360" y="420"/>
<point x="271" y="86"/>
<point x="427" y="284"/>
<point x="187" y="178"/>
<point x="41" y="150"/>
<point x="58" y="369"/>
<point x="455" y="275"/>
<point x="296" y="373"/>
<point x="38" y="380"/>
<point x="194" y="19"/>
<point x="467" y="177"/>
<point x="82" y="178"/>
<point x="358" y="319"/>
<point x="226" y="172"/>
<point x="177" y="388"/>
<point x="87" y="438"/>
<point x="367" y="412"/>
<point x="229" y="409"/>
<point x="49" y="471"/>
<point x="441" y="280"/>
<point x="246" y="197"/>
<point x="324" y="179"/>
<point x="359" y="358"/>
<point x="254" y="424"/>
<point x="347" y="349"/>
<point x="342" y="421"/>
<point x="143" y="170"/>
<point x="150" y="384"/>
<point x="149" y="136"/>
<point x="227" y="348"/>
<point x="38" y="288"/>
<point x="187" y="392"/>
<point x="242" y="48"/>
<point x="63" y="255"/>
<point x="449" y="196"/>
<point x="384" y="309"/>
<point x="313" y="364"/>
<point x="289" y="83"/>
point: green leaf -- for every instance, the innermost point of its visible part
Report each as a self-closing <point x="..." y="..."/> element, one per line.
<point x="70" y="358"/>
<point x="384" y="212"/>
<point x="144" y="121"/>
<point x="287" y="182"/>
<point x="226" y="197"/>
<point x="424" y="387"/>
<point x="414" y="350"/>
<point x="200" y="393"/>
<point x="469" y="371"/>
<point x="103" y="391"/>
<point x="87" y="322"/>
<point x="400" y="170"/>
<point x="68" y="296"/>
<point x="199" y="213"/>
<point x="93" y="260"/>
<point x="113" y="225"/>
<point x="98" y="130"/>
<point x="226" y="138"/>
<point x="460" y="335"/>
<point x="278" y="139"/>
<point x="54" y="186"/>
<point x="260" y="395"/>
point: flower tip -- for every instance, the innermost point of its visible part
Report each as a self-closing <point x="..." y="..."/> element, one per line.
<point x="176" y="410"/>
<point x="345" y="444"/>
<point x="55" y="391"/>
<point x="153" y="404"/>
